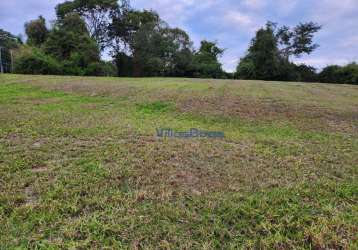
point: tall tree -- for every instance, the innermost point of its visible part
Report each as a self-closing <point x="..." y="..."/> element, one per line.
<point x="126" y="24"/>
<point x="70" y="41"/>
<point x="207" y="60"/>
<point x="96" y="13"/>
<point x="180" y="53"/>
<point x="8" y="40"/>
<point x="146" y="42"/>
<point x="36" y="31"/>
<point x="270" y="50"/>
<point x="263" y="54"/>
<point x="132" y="34"/>
<point x="147" y="47"/>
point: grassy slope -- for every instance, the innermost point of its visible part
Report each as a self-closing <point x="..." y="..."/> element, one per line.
<point x="80" y="166"/>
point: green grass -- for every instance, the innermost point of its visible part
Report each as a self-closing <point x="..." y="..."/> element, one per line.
<point x="81" y="167"/>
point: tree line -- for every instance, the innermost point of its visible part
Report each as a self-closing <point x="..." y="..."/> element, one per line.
<point x="142" y="44"/>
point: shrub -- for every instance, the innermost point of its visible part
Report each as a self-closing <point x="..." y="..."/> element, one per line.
<point x="306" y="73"/>
<point x="336" y="74"/>
<point x="101" y="69"/>
<point x="30" y="60"/>
<point x="71" y="68"/>
<point x="329" y="74"/>
<point x="349" y="74"/>
<point x="245" y="69"/>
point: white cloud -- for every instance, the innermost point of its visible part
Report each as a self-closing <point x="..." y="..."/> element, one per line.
<point x="286" y="7"/>
<point x="174" y="12"/>
<point x="238" y="20"/>
<point x="254" y="4"/>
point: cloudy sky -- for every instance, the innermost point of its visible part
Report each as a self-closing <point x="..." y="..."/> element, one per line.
<point x="231" y="22"/>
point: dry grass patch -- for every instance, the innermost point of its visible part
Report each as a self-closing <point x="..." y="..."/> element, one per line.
<point x="307" y="117"/>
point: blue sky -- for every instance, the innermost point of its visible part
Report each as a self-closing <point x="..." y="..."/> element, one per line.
<point x="232" y="23"/>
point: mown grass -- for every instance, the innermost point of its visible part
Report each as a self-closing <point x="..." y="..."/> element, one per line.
<point x="81" y="167"/>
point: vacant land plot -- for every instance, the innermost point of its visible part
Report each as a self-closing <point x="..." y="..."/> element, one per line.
<point x="81" y="166"/>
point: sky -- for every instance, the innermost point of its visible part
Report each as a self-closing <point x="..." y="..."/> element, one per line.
<point x="232" y="23"/>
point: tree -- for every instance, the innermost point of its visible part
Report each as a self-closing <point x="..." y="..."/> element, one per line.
<point x="36" y="32"/>
<point x="206" y="60"/>
<point x="124" y="64"/>
<point x="70" y="42"/>
<point x="349" y="74"/>
<point x="340" y="74"/>
<point x="269" y="53"/>
<point x="150" y="46"/>
<point x="147" y="47"/>
<point x="178" y="52"/>
<point x="8" y="40"/>
<point x="330" y="74"/>
<point x="96" y="13"/>
<point x="297" y="41"/>
<point x="262" y="60"/>
<point x="125" y="25"/>
<point x="306" y="73"/>
<point x="32" y="60"/>
<point x="245" y="69"/>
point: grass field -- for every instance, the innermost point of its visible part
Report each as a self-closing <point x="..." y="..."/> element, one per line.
<point x="81" y="166"/>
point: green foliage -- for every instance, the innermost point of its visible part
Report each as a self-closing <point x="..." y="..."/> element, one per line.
<point x="69" y="41"/>
<point x="297" y="41"/>
<point x="245" y="69"/>
<point x="206" y="61"/>
<point x="66" y="49"/>
<point x="33" y="61"/>
<point x="124" y="27"/>
<point x="154" y="49"/>
<point x="148" y="46"/>
<point x="36" y="32"/>
<point x="82" y="7"/>
<point x="96" y="13"/>
<point x="72" y="68"/>
<point x="178" y="52"/>
<point x="124" y="64"/>
<point x="8" y="40"/>
<point x="330" y="74"/>
<point x="138" y="31"/>
<point x="8" y="43"/>
<point x="101" y="69"/>
<point x="306" y="73"/>
<point x="270" y="50"/>
<point x="337" y="74"/>
<point x="142" y="44"/>
<point x="262" y="60"/>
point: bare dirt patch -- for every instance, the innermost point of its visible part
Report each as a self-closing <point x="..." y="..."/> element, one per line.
<point x="39" y="169"/>
<point x="31" y="197"/>
<point x="89" y="88"/>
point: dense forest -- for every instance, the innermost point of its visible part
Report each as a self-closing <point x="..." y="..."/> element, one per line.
<point x="140" y="44"/>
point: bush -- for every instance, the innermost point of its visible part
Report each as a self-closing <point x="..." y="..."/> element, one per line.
<point x="329" y="74"/>
<point x="72" y="69"/>
<point x="349" y="74"/>
<point x="306" y="73"/>
<point x="245" y="70"/>
<point x="33" y="61"/>
<point x="336" y="74"/>
<point x="101" y="69"/>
